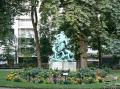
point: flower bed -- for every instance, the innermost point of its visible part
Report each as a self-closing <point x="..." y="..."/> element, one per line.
<point x="87" y="76"/>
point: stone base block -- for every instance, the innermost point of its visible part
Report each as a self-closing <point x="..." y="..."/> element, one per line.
<point x="63" y="65"/>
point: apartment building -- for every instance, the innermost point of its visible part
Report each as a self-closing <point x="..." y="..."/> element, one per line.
<point x="24" y="34"/>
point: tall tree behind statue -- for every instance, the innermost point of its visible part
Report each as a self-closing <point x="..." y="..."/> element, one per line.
<point x="34" y="18"/>
<point x="76" y="21"/>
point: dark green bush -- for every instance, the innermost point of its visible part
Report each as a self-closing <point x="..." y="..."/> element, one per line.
<point x="72" y="74"/>
<point x="86" y="73"/>
<point x="34" y="72"/>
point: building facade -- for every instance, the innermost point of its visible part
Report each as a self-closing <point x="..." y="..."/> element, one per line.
<point x="25" y="44"/>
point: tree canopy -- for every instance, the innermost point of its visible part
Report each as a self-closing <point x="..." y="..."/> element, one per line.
<point x="93" y="21"/>
<point x="87" y="22"/>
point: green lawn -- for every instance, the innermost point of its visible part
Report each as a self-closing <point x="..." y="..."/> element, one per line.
<point x="5" y="83"/>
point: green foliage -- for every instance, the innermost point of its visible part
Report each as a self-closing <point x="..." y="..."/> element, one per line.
<point x="114" y="47"/>
<point x="101" y="73"/>
<point x="44" y="73"/>
<point x="27" y="62"/>
<point x="115" y="15"/>
<point x="91" y="18"/>
<point x="72" y="74"/>
<point x="79" y="19"/>
<point x="86" y="73"/>
<point x="4" y="82"/>
<point x="25" y="73"/>
<point x="107" y="69"/>
<point x="37" y="75"/>
<point x="97" y="20"/>
<point x="8" y="52"/>
<point x="14" y="76"/>
<point x="88" y="80"/>
<point x="8" y="10"/>
<point x="49" y="10"/>
<point x="46" y="49"/>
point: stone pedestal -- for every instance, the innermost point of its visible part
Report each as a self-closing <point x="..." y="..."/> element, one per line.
<point x="63" y="65"/>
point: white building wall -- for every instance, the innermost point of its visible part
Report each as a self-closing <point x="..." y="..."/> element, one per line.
<point x="22" y="29"/>
<point x="24" y="23"/>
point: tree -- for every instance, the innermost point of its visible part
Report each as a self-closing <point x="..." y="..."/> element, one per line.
<point x="108" y="25"/>
<point x="34" y="18"/>
<point x="80" y="21"/>
<point x="114" y="47"/>
<point x="59" y="18"/>
<point x="49" y="23"/>
<point x="8" y="10"/>
<point x="99" y="35"/>
<point x="8" y="52"/>
<point x="46" y="49"/>
<point x="83" y="18"/>
<point x="6" y="21"/>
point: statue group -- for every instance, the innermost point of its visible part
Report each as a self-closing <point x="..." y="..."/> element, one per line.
<point x="60" y="48"/>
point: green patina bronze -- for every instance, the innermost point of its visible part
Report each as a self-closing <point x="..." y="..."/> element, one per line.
<point x="61" y="48"/>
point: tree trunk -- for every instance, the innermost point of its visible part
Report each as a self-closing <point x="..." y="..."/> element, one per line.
<point x="78" y="64"/>
<point x="83" y="51"/>
<point x="34" y="23"/>
<point x="99" y="51"/>
<point x="10" y="63"/>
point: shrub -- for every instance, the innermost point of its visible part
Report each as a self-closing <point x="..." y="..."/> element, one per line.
<point x="88" y="80"/>
<point x="10" y="76"/>
<point x="86" y="73"/>
<point x="25" y="73"/>
<point x="29" y="73"/>
<point x="106" y="69"/>
<point x="101" y="73"/>
<point x="44" y="73"/>
<point x="36" y="75"/>
<point x="99" y="79"/>
<point x="17" y="78"/>
<point x="79" y="81"/>
<point x="72" y="80"/>
<point x="72" y="74"/>
<point x="13" y="76"/>
<point x="34" y="72"/>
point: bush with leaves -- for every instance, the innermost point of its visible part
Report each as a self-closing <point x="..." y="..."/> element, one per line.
<point x="14" y="76"/>
<point x="36" y="75"/>
<point x="86" y="73"/>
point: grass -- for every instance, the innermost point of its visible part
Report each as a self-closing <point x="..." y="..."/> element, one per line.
<point x="5" y="83"/>
<point x="47" y="86"/>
